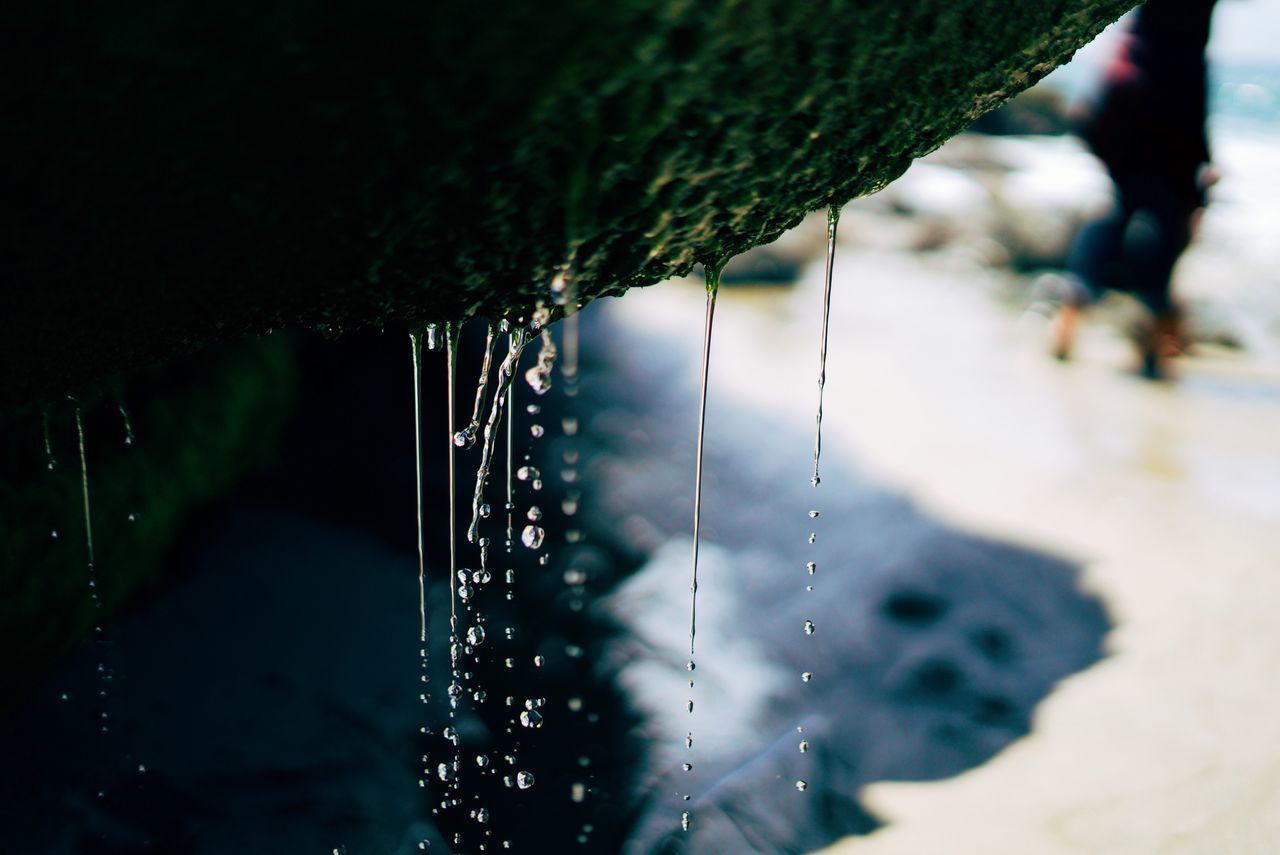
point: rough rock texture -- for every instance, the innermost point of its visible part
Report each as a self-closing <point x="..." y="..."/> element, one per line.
<point x="179" y="173"/>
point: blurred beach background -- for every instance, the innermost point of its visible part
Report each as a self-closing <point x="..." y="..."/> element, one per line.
<point x="1042" y="601"/>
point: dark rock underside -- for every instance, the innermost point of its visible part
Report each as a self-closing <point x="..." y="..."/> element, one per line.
<point x="182" y="173"/>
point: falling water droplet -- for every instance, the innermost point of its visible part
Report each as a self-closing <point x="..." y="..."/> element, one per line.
<point x="534" y="514"/>
<point x="685" y="821"/>
<point x="833" y="219"/>
<point x="813" y="536"/>
<point x="525" y="473"/>
<point x="532" y="536"/>
<point x="688" y="767"/>
<point x="688" y="740"/>
<point x="531" y="719"/>
<point x="806" y="676"/>
<point x="128" y="424"/>
<point x="524" y="780"/>
<point x="809" y="628"/>
<point x="506" y="372"/>
<point x="813" y="515"/>
<point x="804" y="746"/>
<point x="475" y="635"/>
<point x="537" y="661"/>
<point x="802" y="785"/>
<point x="536" y="431"/>
<point x="482" y="815"/>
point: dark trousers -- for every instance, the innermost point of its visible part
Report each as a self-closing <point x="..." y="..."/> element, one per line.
<point x="1135" y="246"/>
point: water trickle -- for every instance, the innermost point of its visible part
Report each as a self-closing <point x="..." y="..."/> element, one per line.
<point x="833" y="219"/>
<point x="712" y="273"/>
<point x="506" y="372"/>
<point x="451" y="368"/>
<point x="50" y="461"/>
<point x="466" y="437"/>
<point x="415" y="342"/>
<point x="128" y="424"/>
<point x="539" y="376"/>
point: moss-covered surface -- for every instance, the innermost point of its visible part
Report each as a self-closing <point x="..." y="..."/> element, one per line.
<point x="198" y="428"/>
<point x="183" y="172"/>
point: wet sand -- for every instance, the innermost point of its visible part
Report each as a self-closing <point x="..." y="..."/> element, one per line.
<point x="1168" y="494"/>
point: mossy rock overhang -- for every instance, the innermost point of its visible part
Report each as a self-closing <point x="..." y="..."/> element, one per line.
<point x="180" y="173"/>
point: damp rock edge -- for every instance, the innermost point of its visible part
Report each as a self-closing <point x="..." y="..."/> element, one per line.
<point x="180" y="174"/>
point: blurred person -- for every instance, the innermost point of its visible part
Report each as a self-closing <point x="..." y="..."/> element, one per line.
<point x="1147" y="126"/>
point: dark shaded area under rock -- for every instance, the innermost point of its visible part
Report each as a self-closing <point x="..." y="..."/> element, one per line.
<point x="178" y="174"/>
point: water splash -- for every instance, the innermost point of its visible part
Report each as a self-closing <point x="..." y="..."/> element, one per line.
<point x="466" y="437"/>
<point x="833" y="219"/>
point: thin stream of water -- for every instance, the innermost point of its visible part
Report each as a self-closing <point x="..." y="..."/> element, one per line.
<point x="451" y="369"/>
<point x="466" y="437"/>
<point x="50" y="460"/>
<point x="712" y="273"/>
<point x="506" y="372"/>
<point x="833" y="219"/>
<point x="415" y="341"/>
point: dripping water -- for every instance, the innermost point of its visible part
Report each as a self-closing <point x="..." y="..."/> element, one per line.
<point x="833" y="219"/>
<point x="466" y="437"/>
<point x="712" y="273"/>
<point x="451" y="369"/>
<point x="506" y="372"/>
<point x="50" y="460"/>
<point x="415" y="341"/>
<point x="128" y="424"/>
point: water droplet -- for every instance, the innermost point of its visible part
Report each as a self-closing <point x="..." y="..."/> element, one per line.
<point x="465" y="592"/>
<point x="479" y="695"/>
<point x="466" y="437"/>
<point x="813" y="536"/>
<point x="575" y="704"/>
<point x="689" y="706"/>
<point x="690" y="665"/>
<point x="688" y="767"/>
<point x="685" y="821"/>
<point x="536" y="431"/>
<point x="433" y="336"/>
<point x="802" y="785"/>
<point x="509" y="662"/>
<point x="485" y="510"/>
<point x="527" y="473"/>
<point x="451" y="734"/>
<point x="533" y="409"/>
<point x="809" y="628"/>
<point x="54" y="534"/>
<point x="537" y="661"/>
<point x="532" y="536"/>
<point x="806" y="676"/>
<point x="688" y="740"/>
<point x="534" y="514"/>
<point x="804" y="746"/>
<point x="813" y="515"/>
<point x="133" y="516"/>
<point x="475" y="635"/>
<point x="531" y="719"/>
<point x="569" y="425"/>
<point x="578" y="792"/>
<point x="811" y="567"/>
<point x="524" y="780"/>
<point x="445" y="772"/>
<point x="482" y="815"/>
<point x="569" y="506"/>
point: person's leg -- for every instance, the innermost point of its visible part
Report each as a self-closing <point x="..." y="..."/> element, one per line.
<point x="1092" y="256"/>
